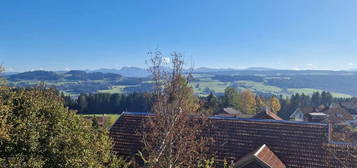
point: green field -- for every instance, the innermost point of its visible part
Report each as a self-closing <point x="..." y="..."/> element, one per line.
<point x="112" y="117"/>
<point x="203" y="85"/>
<point x="114" y="89"/>
<point x="311" y="91"/>
<point x="260" y="82"/>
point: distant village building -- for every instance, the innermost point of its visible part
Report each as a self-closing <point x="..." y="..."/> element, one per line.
<point x="351" y="107"/>
<point x="315" y="117"/>
<point x="232" y="112"/>
<point x="266" y="114"/>
<point x="253" y="142"/>
<point x="299" y="113"/>
<point x="263" y="114"/>
<point x="330" y="114"/>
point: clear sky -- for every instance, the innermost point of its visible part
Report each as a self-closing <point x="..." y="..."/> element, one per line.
<point x="90" y="34"/>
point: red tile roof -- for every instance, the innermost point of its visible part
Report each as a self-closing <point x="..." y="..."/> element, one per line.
<point x="262" y="156"/>
<point x="296" y="144"/>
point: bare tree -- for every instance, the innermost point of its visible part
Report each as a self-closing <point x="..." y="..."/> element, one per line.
<point x="173" y="136"/>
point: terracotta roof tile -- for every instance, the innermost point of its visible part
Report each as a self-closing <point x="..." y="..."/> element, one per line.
<point x="263" y="156"/>
<point x="296" y="144"/>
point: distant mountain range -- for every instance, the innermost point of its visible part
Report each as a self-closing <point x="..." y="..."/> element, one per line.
<point x="206" y="80"/>
<point x="142" y="72"/>
<point x="126" y="71"/>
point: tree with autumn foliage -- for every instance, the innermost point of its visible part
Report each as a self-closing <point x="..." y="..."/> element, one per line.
<point x="260" y="101"/>
<point x="247" y="102"/>
<point x="274" y="104"/>
<point x="173" y="135"/>
<point x="37" y="130"/>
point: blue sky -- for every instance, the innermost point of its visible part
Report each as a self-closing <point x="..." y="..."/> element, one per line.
<point x="88" y="34"/>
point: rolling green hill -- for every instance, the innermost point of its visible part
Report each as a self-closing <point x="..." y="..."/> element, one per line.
<point x="266" y="82"/>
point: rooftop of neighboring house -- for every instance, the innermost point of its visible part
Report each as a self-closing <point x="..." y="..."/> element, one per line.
<point x="349" y="105"/>
<point x="262" y="157"/>
<point x="266" y="114"/>
<point x="231" y="112"/>
<point x="317" y="114"/>
<point x="295" y="144"/>
<point x="335" y="114"/>
<point x="306" y="110"/>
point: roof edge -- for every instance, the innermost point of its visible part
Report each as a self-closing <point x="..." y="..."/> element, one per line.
<point x="240" y="119"/>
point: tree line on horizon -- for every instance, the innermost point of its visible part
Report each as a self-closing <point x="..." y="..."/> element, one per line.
<point x="107" y="103"/>
<point x="245" y="101"/>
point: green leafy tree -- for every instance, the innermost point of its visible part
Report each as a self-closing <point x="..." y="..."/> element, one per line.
<point x="316" y="99"/>
<point x="37" y="130"/>
<point x="326" y="98"/>
<point x="211" y="105"/>
<point x="82" y="102"/>
<point x="231" y="97"/>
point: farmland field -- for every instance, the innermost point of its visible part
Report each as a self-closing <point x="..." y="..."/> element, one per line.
<point x="283" y="83"/>
<point x="111" y="117"/>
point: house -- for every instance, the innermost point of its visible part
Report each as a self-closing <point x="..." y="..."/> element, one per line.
<point x="252" y="142"/>
<point x="299" y="113"/>
<point x="321" y="114"/>
<point x="351" y="107"/>
<point x="352" y="123"/>
<point x="337" y="115"/>
<point x="315" y="117"/>
<point x="232" y="112"/>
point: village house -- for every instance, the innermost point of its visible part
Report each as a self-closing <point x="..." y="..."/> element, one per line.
<point x="321" y="114"/>
<point x="232" y="112"/>
<point x="266" y="114"/>
<point x="258" y="143"/>
<point x="351" y="107"/>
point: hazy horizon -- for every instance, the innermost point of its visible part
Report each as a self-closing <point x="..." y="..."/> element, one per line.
<point x="195" y="68"/>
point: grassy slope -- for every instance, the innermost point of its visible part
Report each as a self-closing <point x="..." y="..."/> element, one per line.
<point x="205" y="81"/>
<point x="202" y="82"/>
<point x="310" y="91"/>
<point x="112" y="117"/>
<point x="114" y="89"/>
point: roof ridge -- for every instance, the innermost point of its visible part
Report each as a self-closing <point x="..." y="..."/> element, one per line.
<point x="242" y="119"/>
